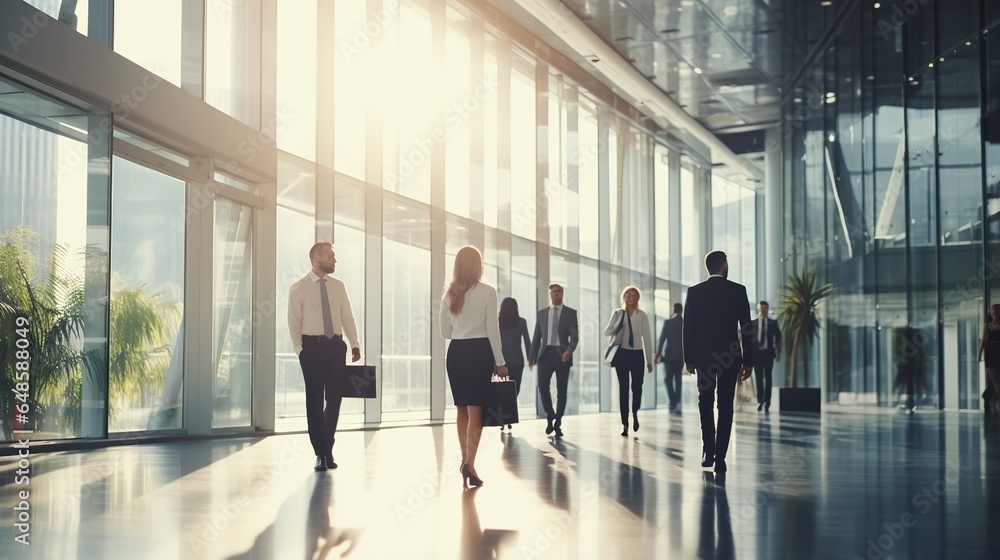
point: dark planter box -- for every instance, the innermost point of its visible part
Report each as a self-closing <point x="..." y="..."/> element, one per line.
<point x="803" y="399"/>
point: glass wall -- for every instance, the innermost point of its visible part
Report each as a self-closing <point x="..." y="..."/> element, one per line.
<point x="54" y="270"/>
<point x="147" y="298"/>
<point x="888" y="196"/>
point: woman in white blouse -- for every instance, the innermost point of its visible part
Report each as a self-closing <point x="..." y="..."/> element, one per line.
<point x="469" y="319"/>
<point x="630" y="326"/>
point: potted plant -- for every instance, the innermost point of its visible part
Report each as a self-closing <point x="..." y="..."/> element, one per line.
<point x="798" y="320"/>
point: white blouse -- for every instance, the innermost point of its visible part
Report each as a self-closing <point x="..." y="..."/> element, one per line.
<point x="477" y="319"/>
<point x="640" y="330"/>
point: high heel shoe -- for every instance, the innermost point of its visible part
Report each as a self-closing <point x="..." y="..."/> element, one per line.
<point x="470" y="479"/>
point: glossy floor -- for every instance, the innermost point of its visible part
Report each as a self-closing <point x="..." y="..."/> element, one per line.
<point x="847" y="485"/>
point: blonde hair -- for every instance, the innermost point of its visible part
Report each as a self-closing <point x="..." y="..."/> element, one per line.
<point x="628" y="289"/>
<point x="468" y="271"/>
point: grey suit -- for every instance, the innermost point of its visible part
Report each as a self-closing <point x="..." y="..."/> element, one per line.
<point x="548" y="356"/>
<point x="671" y="348"/>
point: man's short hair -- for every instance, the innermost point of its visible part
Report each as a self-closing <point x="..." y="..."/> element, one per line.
<point x="316" y="247"/>
<point x="678" y="308"/>
<point x="553" y="286"/>
<point x="714" y="261"/>
<point x="764" y="303"/>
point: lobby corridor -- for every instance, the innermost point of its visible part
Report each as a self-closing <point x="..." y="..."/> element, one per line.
<point x="846" y="485"/>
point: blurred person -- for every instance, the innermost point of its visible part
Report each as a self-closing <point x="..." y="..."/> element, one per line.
<point x="670" y="350"/>
<point x="767" y="338"/>
<point x="469" y="319"/>
<point x="989" y="344"/>
<point x="557" y="332"/>
<point x="513" y="330"/>
<point x="319" y="317"/>
<point x="630" y="326"/>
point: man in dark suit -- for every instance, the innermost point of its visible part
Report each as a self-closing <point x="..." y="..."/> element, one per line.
<point x="718" y="311"/>
<point x="767" y="350"/>
<point x="556" y="336"/>
<point x="670" y="349"/>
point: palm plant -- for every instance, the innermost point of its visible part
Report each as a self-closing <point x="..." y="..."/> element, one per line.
<point x="54" y="307"/>
<point x="139" y="349"/>
<point x="799" y="302"/>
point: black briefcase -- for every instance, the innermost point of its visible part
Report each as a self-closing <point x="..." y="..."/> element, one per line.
<point x="355" y="382"/>
<point x="503" y="410"/>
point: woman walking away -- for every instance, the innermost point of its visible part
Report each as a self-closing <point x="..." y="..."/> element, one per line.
<point x="469" y="320"/>
<point x="513" y="330"/>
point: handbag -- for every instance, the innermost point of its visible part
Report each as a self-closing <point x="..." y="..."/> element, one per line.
<point x="613" y="343"/>
<point x="503" y="409"/>
<point x="355" y="382"/>
<point x="746" y="391"/>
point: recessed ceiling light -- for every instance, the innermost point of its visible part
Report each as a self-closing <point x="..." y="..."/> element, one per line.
<point x="826" y="3"/>
<point x="832" y="138"/>
<point x="968" y="43"/>
<point x="831" y="94"/>
<point x="931" y="65"/>
<point x="941" y="59"/>
<point x="870" y="77"/>
<point x="910" y="78"/>
<point x="697" y="70"/>
<point x="716" y="55"/>
<point x="877" y="5"/>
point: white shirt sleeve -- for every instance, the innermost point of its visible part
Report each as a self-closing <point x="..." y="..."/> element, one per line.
<point x="493" y="328"/>
<point x="347" y="319"/>
<point x="444" y="319"/>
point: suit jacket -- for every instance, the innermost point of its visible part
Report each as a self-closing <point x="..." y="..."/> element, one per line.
<point x="671" y="346"/>
<point x="772" y="333"/>
<point x="715" y="309"/>
<point x="568" y="330"/>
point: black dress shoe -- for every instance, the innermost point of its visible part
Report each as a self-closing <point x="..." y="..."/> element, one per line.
<point x="624" y="430"/>
<point x="767" y="407"/>
<point x="557" y="426"/>
<point x="549" y="427"/>
<point x="635" y="422"/>
<point x="329" y="462"/>
<point x="720" y="466"/>
<point x="707" y="460"/>
<point x="760" y="406"/>
<point x="320" y="464"/>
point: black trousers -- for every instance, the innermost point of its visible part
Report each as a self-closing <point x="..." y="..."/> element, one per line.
<point x="319" y="359"/>
<point x="629" y="363"/>
<point x="763" y="364"/>
<point x="674" y="369"/>
<point x="714" y="441"/>
<point x="551" y="362"/>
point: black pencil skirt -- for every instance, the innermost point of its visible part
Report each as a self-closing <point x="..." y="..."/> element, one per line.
<point x="470" y="369"/>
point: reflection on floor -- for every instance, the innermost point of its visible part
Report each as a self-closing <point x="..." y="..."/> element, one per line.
<point x="849" y="485"/>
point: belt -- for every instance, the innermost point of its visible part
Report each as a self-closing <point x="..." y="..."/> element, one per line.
<point x="321" y="338"/>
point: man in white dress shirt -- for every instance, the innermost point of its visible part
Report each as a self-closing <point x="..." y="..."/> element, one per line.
<point x="319" y="316"/>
